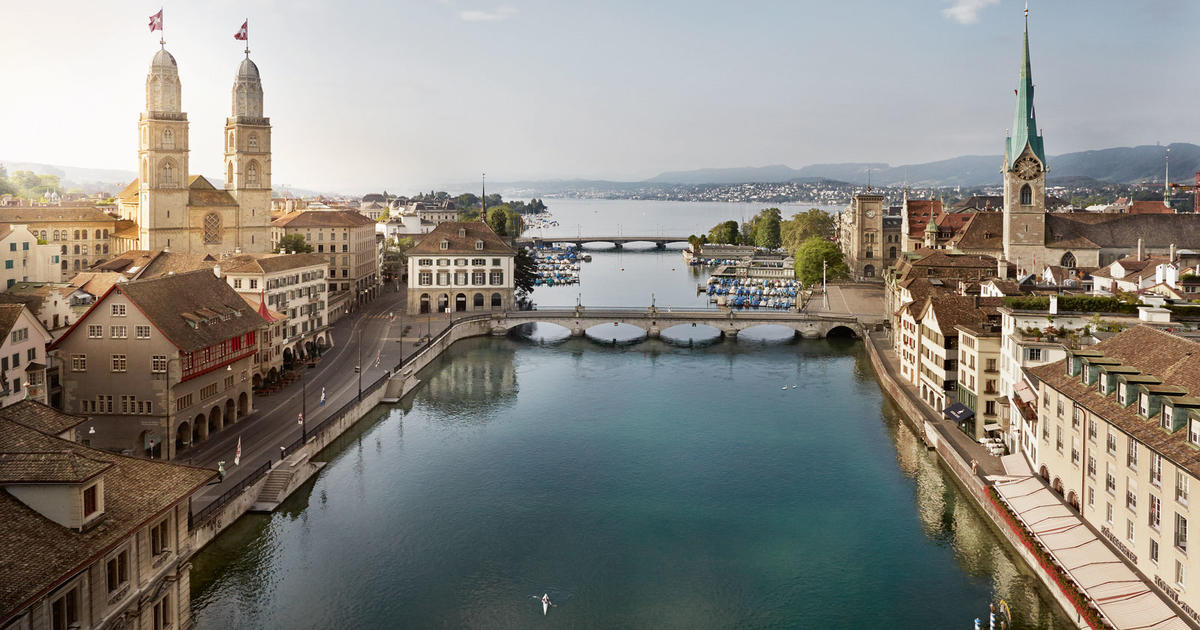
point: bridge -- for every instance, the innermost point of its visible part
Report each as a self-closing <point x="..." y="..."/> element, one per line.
<point x="659" y="241"/>
<point x="655" y="320"/>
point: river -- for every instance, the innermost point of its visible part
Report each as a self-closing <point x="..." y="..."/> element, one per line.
<point x="641" y="486"/>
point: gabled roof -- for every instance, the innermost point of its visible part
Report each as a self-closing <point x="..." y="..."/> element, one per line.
<point x="460" y="237"/>
<point x="130" y="193"/>
<point x="983" y="231"/>
<point x="57" y="214"/>
<point x="96" y="282"/>
<point x="271" y="263"/>
<point x="41" y="417"/>
<point x="37" y="554"/>
<point x="920" y="212"/>
<point x="9" y="314"/>
<point x="1150" y="207"/>
<point x="1159" y="231"/>
<point x="192" y="310"/>
<point x="48" y="467"/>
<point x="202" y="194"/>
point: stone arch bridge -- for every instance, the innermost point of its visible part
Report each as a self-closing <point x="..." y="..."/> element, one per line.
<point x="618" y="241"/>
<point x="654" y="320"/>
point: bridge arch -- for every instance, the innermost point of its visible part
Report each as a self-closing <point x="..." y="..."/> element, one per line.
<point x="842" y="331"/>
<point x="691" y="333"/>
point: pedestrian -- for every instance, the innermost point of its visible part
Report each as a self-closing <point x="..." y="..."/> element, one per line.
<point x="322" y="396"/>
<point x="220" y="471"/>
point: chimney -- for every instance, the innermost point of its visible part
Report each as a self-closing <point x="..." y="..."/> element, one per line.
<point x="1054" y="305"/>
<point x="1172" y="254"/>
<point x="217" y="270"/>
<point x="1139" y="249"/>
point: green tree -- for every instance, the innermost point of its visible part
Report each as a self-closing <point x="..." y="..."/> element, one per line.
<point x="384" y="216"/>
<point x="726" y="232"/>
<point x="497" y="219"/>
<point x="804" y="225"/>
<point x="524" y="272"/>
<point x="809" y="259"/>
<point x="395" y="257"/>
<point x="767" y="234"/>
<point x="6" y="187"/>
<point x="294" y="243"/>
<point x="25" y="180"/>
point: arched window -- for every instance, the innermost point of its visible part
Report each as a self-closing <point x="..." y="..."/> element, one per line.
<point x="75" y="265"/>
<point x="230" y="140"/>
<point x="252" y="141"/>
<point x="76" y="235"/>
<point x="212" y="228"/>
<point x="497" y="301"/>
<point x="1068" y="260"/>
<point x="229" y="173"/>
<point x="1026" y="195"/>
<point x="252" y="174"/>
<point x="55" y="235"/>
<point x="97" y="237"/>
<point x="105" y="233"/>
<point x="869" y="271"/>
<point x="167" y="176"/>
<point x="478" y="301"/>
<point x="168" y="139"/>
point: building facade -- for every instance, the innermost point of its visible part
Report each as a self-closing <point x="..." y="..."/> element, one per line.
<point x="460" y="267"/>
<point x="160" y="364"/>
<point x="22" y="355"/>
<point x="83" y="235"/>
<point x="24" y="259"/>
<point x="869" y="243"/>
<point x="347" y="240"/>
<point x="295" y="286"/>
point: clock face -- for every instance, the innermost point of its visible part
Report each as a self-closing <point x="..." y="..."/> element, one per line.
<point x="1027" y="168"/>
<point x="870" y="214"/>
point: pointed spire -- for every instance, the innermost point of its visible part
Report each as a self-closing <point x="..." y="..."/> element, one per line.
<point x="1024" y="130"/>
<point x="262" y="307"/>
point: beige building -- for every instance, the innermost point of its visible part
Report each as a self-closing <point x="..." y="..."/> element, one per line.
<point x="22" y="355"/>
<point x="171" y="209"/>
<point x="295" y="286"/>
<point x="88" y="538"/>
<point x="24" y="260"/>
<point x="1120" y="432"/>
<point x="460" y="266"/>
<point x="936" y="365"/>
<point x="82" y="234"/>
<point x="267" y="365"/>
<point x="870" y="242"/>
<point x="347" y="240"/>
<point x="160" y="364"/>
<point x="979" y="377"/>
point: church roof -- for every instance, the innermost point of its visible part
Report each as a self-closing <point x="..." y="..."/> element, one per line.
<point x="202" y="194"/>
<point x="1150" y="207"/>
<point x="1078" y="229"/>
<point x="1024" y="129"/>
<point x="247" y="70"/>
<point x="164" y="60"/>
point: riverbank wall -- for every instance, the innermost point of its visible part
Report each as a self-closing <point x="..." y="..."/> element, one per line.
<point x="916" y="417"/>
<point x="279" y="479"/>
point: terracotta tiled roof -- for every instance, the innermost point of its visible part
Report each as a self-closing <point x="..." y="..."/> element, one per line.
<point x="41" y="417"/>
<point x="461" y="237"/>
<point x="96" y="282"/>
<point x="1150" y="207"/>
<point x="37" y="554"/>
<point x="920" y="212"/>
<point x="130" y="193"/>
<point x="322" y="218"/>
<point x="8" y="316"/>
<point x="955" y="310"/>
<point x="1167" y="357"/>
<point x="170" y="262"/>
<point x="56" y="214"/>
<point x="983" y="231"/>
<point x="173" y="303"/>
<point x="271" y="263"/>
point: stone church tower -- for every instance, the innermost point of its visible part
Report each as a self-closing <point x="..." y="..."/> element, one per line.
<point x="1025" y="178"/>
<point x="248" y="160"/>
<point x="163" y="158"/>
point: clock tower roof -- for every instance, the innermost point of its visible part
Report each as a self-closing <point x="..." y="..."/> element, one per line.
<point x="1024" y="129"/>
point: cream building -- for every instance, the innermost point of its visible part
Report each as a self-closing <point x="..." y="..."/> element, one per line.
<point x="82" y="235"/>
<point x="170" y="209"/>
<point x="24" y="260"/>
<point x="347" y="239"/>
<point x="979" y="376"/>
<point x="161" y="364"/>
<point x="869" y="241"/>
<point x="295" y="286"/>
<point x="22" y="355"/>
<point x="1120" y="432"/>
<point x="460" y="266"/>
<point x="89" y="538"/>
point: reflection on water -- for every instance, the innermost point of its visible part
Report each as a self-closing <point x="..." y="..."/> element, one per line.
<point x="743" y="484"/>
<point x="948" y="515"/>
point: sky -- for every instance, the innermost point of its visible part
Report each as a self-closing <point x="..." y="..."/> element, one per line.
<point x="406" y="95"/>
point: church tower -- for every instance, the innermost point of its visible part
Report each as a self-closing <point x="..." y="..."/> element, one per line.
<point x="248" y="161"/>
<point x="1025" y="177"/>
<point x="162" y="159"/>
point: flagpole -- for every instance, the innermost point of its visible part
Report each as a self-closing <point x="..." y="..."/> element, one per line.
<point x="162" y="29"/>
<point x="247" y="23"/>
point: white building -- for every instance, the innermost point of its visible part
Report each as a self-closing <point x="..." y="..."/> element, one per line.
<point x="24" y="259"/>
<point x="22" y="355"/>
<point x="295" y="286"/>
<point x="460" y="266"/>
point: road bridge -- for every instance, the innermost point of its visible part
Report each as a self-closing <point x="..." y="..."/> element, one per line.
<point x="659" y="241"/>
<point x="655" y="320"/>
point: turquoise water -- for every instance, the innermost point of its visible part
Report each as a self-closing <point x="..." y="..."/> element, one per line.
<point x="645" y="486"/>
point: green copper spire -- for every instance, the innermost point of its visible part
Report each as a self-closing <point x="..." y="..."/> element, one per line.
<point x="1024" y="129"/>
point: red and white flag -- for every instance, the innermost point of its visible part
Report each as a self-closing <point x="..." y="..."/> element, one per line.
<point x="237" y="455"/>
<point x="156" y="21"/>
<point x="241" y="34"/>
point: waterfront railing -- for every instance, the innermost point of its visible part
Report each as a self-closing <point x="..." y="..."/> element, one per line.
<point x="200" y="518"/>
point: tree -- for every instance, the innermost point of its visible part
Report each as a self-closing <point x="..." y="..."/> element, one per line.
<point x="466" y="200"/>
<point x="804" y="225"/>
<point x="395" y="257"/>
<point x="294" y="243"/>
<point x="726" y="232"/>
<point x="809" y="259"/>
<point x="384" y="216"/>
<point x="524" y="272"/>
<point x="497" y="219"/>
<point x="767" y="234"/>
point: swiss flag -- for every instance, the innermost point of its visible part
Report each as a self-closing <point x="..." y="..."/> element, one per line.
<point x="156" y="21"/>
<point x="241" y="34"/>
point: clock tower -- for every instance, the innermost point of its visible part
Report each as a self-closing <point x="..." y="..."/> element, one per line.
<point x="1025" y="177"/>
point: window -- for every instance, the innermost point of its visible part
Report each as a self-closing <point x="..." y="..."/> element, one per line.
<point x="1144" y="405"/>
<point x="1091" y="497"/>
<point x="478" y="278"/>
<point x="1129" y="530"/>
<point x="460" y="278"/>
<point x="118" y="332"/>
<point x="1164" y="419"/>
<point x="237" y="283"/>
<point x="1194" y="432"/>
<point x="89" y="501"/>
<point x="142" y="332"/>
<point x="1058" y="438"/>
<point x="1155" y="512"/>
<point x="95" y="331"/>
<point x="78" y="362"/>
<point x="1091" y="467"/>
<point x="1154" y="551"/>
<point x="1121" y="393"/>
<point x="162" y="613"/>
<point x="425" y="278"/>
<point x="21" y="334"/>
<point x="1026" y="195"/>
<point x="168" y="174"/>
<point x="479" y="245"/>
<point x="1155" y="468"/>
<point x="1181" y="487"/>
<point x="208" y="391"/>
<point x="1092" y="431"/>
<point x="183" y="402"/>
<point x="117" y="569"/>
<point x="425" y="262"/>
<point x="1076" y="417"/>
<point x="1179" y="573"/>
<point x="443" y="262"/>
<point x="1131" y="458"/>
<point x="1110" y="482"/>
<point x="118" y="363"/>
<point x="118" y="310"/>
<point x="1074" y="450"/>
<point x="1131" y="495"/>
<point x="252" y="174"/>
<point x="64" y="611"/>
<point x="1180" y="532"/>
<point x="1060" y="407"/>
<point x="478" y="262"/>
<point x="158" y="363"/>
<point x="497" y="277"/>
<point x="1035" y="354"/>
<point x="1108" y="513"/>
<point x="1112" y="443"/>
<point x="160" y="540"/>
<point x="253" y="283"/>
<point x="443" y="278"/>
<point x="31" y="354"/>
<point x="212" y="228"/>
<point x="444" y="245"/>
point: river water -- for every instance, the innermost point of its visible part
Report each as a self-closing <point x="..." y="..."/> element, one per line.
<point x="641" y="486"/>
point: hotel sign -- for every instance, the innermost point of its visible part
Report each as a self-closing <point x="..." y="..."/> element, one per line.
<point x="1174" y="595"/>
<point x="1119" y="545"/>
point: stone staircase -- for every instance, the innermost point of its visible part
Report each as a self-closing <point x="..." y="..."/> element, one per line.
<point x="274" y="488"/>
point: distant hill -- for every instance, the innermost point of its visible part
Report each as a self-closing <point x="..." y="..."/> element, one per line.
<point x="1121" y="165"/>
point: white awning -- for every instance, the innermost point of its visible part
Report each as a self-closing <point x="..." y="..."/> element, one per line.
<point x="991" y="426"/>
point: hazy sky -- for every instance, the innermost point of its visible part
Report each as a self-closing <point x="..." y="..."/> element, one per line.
<point x="407" y="94"/>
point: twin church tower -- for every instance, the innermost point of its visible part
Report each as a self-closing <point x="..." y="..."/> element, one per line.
<point x="186" y="213"/>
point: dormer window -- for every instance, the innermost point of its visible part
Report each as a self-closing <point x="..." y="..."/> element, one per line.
<point x="1194" y="432"/>
<point x="479" y="245"/>
<point x="444" y="245"/>
<point x="1168" y="413"/>
<point x="91" y="500"/>
<point x="1144" y="405"/>
<point x="1121" y="393"/>
<point x="462" y="232"/>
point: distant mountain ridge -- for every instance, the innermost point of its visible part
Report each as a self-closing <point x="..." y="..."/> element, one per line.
<point x="1120" y="165"/>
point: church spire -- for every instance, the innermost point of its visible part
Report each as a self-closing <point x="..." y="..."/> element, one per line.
<point x="1025" y="129"/>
